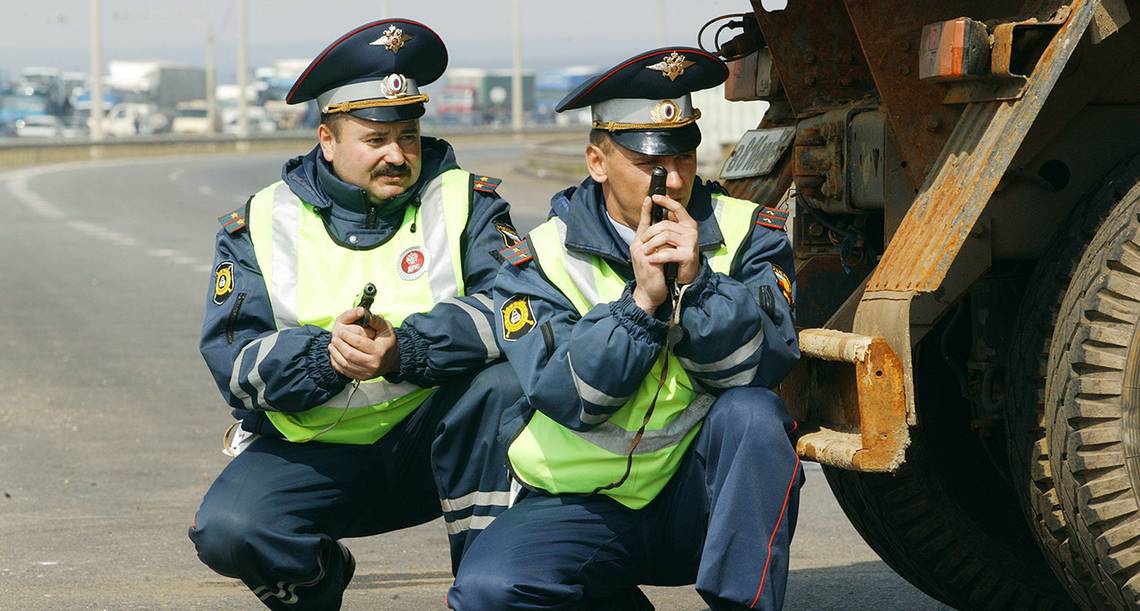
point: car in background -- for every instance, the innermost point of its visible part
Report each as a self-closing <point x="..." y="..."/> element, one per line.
<point x="39" y="126"/>
<point x="193" y="119"/>
<point x="127" y="119"/>
<point x="257" y="117"/>
<point x="17" y="106"/>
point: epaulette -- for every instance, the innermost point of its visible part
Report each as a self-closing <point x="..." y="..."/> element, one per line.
<point x="518" y="254"/>
<point x="771" y="218"/>
<point x="486" y="184"/>
<point x="234" y="221"/>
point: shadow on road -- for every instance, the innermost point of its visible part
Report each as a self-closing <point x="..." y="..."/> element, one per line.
<point x="863" y="585"/>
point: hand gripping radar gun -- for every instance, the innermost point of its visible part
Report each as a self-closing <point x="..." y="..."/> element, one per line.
<point x="657" y="213"/>
<point x="366" y="299"/>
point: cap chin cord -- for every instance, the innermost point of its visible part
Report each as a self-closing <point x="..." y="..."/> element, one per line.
<point x="614" y="126"/>
<point x="351" y="106"/>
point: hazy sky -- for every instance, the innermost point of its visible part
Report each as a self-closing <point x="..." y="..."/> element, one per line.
<point x="477" y="33"/>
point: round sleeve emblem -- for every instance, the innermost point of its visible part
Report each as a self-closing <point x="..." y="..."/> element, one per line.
<point x="223" y="281"/>
<point x="517" y="317"/>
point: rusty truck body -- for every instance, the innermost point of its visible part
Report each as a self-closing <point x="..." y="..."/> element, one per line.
<point x="964" y="178"/>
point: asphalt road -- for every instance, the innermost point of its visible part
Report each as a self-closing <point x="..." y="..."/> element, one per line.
<point x="110" y="426"/>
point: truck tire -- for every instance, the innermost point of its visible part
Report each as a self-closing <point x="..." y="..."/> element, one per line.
<point x="948" y="522"/>
<point x="1092" y="399"/>
<point x="1032" y="475"/>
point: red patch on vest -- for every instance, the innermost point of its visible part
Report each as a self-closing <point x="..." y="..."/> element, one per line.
<point x="412" y="263"/>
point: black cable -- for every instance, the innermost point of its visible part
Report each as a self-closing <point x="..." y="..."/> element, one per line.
<point x="701" y="32"/>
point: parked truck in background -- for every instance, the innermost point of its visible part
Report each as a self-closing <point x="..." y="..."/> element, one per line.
<point x="964" y="178"/>
<point x="160" y="86"/>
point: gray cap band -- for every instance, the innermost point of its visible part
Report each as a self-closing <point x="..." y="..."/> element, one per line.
<point x="391" y="87"/>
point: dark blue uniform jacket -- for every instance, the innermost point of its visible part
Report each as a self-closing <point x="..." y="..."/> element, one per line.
<point x="434" y="346"/>
<point x="738" y="328"/>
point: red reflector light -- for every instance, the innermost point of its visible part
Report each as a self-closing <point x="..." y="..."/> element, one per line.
<point x="957" y="49"/>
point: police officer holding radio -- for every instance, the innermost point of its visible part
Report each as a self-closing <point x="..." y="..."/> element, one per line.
<point x="342" y="417"/>
<point x="656" y="452"/>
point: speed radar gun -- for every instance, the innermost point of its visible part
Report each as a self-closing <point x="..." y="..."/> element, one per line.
<point x="657" y="187"/>
<point x="366" y="298"/>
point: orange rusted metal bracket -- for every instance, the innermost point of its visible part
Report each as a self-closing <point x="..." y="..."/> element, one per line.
<point x="858" y="387"/>
<point x="851" y="387"/>
<point x="931" y="236"/>
<point x="1008" y="80"/>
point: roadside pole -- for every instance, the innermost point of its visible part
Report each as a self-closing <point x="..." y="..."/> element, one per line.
<point x="242" y="69"/>
<point x="211" y="110"/>
<point x="516" y="73"/>
<point x="96" y="71"/>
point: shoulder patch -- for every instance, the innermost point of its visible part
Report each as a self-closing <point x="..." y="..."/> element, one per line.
<point x="509" y="234"/>
<point x="517" y="254"/>
<point x="485" y="184"/>
<point x="233" y="221"/>
<point x="771" y="218"/>
<point x="518" y="318"/>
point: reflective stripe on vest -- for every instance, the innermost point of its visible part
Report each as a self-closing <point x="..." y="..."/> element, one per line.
<point x="557" y="459"/>
<point x="311" y="280"/>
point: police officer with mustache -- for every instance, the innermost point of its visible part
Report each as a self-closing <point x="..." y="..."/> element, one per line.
<point x="348" y="428"/>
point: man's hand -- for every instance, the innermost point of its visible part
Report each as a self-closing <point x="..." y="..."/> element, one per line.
<point x="673" y="240"/>
<point x="650" y="289"/>
<point x="363" y="353"/>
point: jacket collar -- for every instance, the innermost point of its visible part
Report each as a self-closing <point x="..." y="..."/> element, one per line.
<point x="588" y="229"/>
<point x="313" y="180"/>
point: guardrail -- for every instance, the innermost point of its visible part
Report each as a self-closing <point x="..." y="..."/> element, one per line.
<point x="15" y="152"/>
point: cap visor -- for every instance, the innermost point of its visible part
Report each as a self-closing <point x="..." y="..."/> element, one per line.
<point x="389" y="114"/>
<point x="660" y="141"/>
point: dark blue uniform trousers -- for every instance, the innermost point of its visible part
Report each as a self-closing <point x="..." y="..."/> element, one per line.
<point x="275" y="515"/>
<point x="724" y="522"/>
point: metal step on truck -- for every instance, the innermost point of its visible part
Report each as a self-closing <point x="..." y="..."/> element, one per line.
<point x="964" y="178"/>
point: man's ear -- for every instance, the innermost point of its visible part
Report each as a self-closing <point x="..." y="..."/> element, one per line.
<point x="327" y="140"/>
<point x="596" y="163"/>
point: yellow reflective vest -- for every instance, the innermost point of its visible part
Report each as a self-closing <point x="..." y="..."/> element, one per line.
<point x="311" y="280"/>
<point x="557" y="459"/>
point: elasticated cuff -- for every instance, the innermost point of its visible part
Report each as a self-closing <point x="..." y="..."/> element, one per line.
<point x="695" y="294"/>
<point x="413" y="358"/>
<point x="633" y="319"/>
<point x="320" y="367"/>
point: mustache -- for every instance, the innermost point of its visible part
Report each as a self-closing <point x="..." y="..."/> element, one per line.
<point x="391" y="170"/>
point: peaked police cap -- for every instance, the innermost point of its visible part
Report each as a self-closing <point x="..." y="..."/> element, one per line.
<point x="375" y="71"/>
<point x="645" y="103"/>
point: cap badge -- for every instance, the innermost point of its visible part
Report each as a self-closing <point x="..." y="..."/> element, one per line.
<point x="666" y="111"/>
<point x="394" y="85"/>
<point x="672" y="66"/>
<point x="393" y="39"/>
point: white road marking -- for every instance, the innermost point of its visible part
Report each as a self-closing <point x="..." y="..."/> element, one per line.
<point x="17" y="183"/>
<point x="177" y="257"/>
<point x="101" y="232"/>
